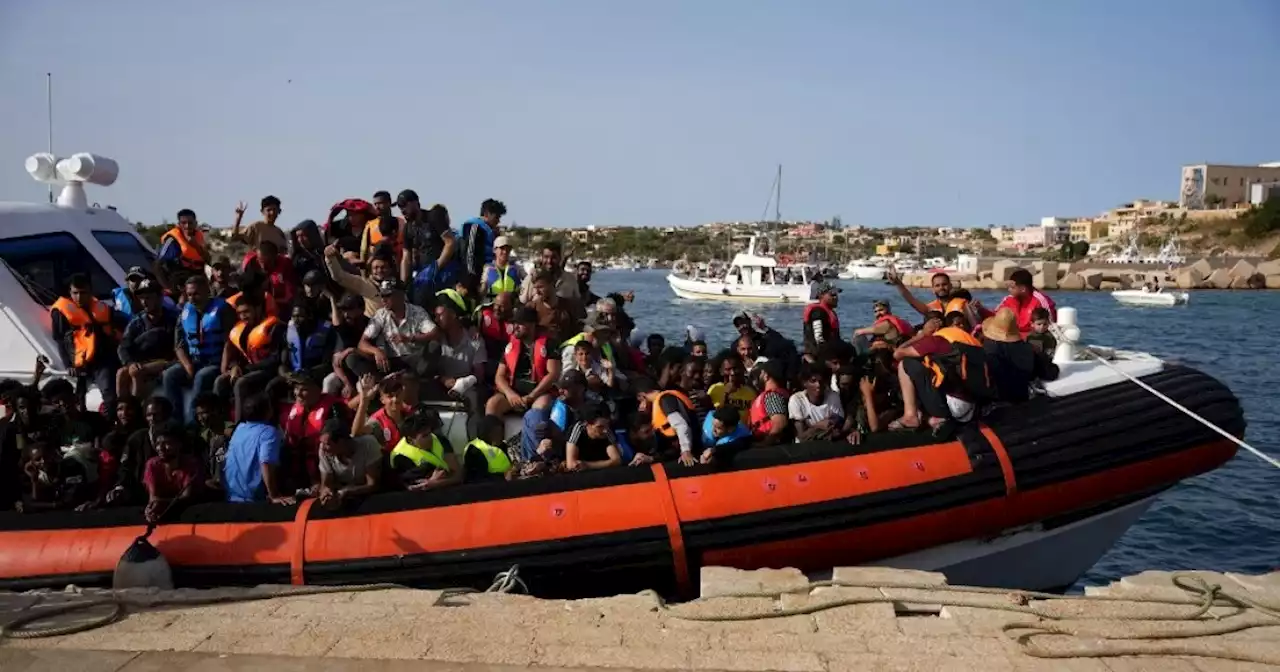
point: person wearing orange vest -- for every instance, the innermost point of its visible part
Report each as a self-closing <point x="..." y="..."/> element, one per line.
<point x="943" y="292"/>
<point x="87" y="333"/>
<point x="920" y="379"/>
<point x="251" y="358"/>
<point x="182" y="250"/>
<point x="767" y="417"/>
<point x="528" y="370"/>
<point x="672" y="418"/>
<point x="821" y="324"/>
<point x="380" y="227"/>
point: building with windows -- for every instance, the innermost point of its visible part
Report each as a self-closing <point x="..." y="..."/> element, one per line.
<point x="1088" y="230"/>
<point x="1208" y="185"/>
<point x="1058" y="230"/>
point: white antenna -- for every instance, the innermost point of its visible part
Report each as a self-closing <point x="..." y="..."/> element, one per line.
<point x="48" y="92"/>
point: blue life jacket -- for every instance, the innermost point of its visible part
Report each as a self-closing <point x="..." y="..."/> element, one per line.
<point x="203" y="331"/>
<point x="503" y="280"/>
<point x="486" y="237"/>
<point x="624" y="446"/>
<point x="124" y="303"/>
<point x="559" y="414"/>
<point x="306" y="354"/>
<point x="708" y="434"/>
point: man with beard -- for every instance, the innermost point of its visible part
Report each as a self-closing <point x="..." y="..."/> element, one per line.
<point x="942" y="290"/>
<point x="552" y="262"/>
<point x="584" y="283"/>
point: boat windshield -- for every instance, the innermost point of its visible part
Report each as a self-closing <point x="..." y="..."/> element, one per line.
<point x="125" y="249"/>
<point x="44" y="264"/>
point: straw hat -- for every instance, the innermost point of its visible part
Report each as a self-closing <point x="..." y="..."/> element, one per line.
<point x="1001" y="327"/>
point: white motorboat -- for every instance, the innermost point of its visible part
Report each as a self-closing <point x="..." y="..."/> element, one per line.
<point x="864" y="269"/>
<point x="1150" y="297"/>
<point x="750" y="277"/>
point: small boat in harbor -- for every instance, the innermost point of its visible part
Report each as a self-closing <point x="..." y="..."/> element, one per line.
<point x="751" y="277"/>
<point x="864" y="269"/>
<point x="1150" y="297"/>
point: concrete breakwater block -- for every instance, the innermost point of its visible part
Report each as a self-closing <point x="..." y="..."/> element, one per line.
<point x="1271" y="267"/>
<point x="1071" y="281"/>
<point x="1002" y="269"/>
<point x="1273" y="282"/>
<point x="1189" y="278"/>
<point x="1243" y="269"/>
<point x="1202" y="266"/>
<point x="1219" y="279"/>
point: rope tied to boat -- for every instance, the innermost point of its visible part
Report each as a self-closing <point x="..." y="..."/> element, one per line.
<point x="1102" y="359"/>
<point x="1201" y="597"/>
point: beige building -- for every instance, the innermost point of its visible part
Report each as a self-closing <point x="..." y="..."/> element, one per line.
<point x="1211" y="185"/>
<point x="1088" y="230"/>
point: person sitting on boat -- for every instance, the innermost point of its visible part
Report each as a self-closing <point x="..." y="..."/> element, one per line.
<point x="563" y="283"/>
<point x="173" y="477"/>
<point x="424" y="459"/>
<point x="768" y="414"/>
<point x="397" y="335"/>
<point x="598" y="332"/>
<point x="671" y="414"/>
<point x="430" y="257"/>
<point x="887" y="327"/>
<point x="654" y="345"/>
<point x="546" y="427"/>
<point x="529" y="368"/>
<point x="461" y="295"/>
<point x="51" y="483"/>
<point x="821" y="324"/>
<point x="349" y="329"/>
<point x="279" y="279"/>
<point x="130" y="467"/>
<point x="125" y="299"/>
<point x="815" y="411"/>
<point x="769" y="343"/>
<point x="147" y="346"/>
<point x="312" y="341"/>
<point x="182" y="252"/>
<point x="212" y="428"/>
<point x="478" y="240"/>
<point x="384" y="423"/>
<point x="1010" y="359"/>
<point x="86" y="331"/>
<point x="317" y="296"/>
<point x="943" y="292"/>
<point x="1040" y="338"/>
<point x="936" y="379"/>
<point x="380" y="229"/>
<point x="484" y="458"/>
<point x="502" y="275"/>
<point x="253" y="283"/>
<point x="732" y="391"/>
<point x="350" y="466"/>
<point x="306" y="251"/>
<point x="78" y="430"/>
<point x="601" y="380"/>
<point x="456" y="364"/>
<point x="1024" y="298"/>
<point x="493" y="319"/>
<point x="557" y="315"/>
<point x="252" y="471"/>
<point x="585" y="270"/>
<point x="724" y="435"/>
<point x="254" y="351"/>
<point x="691" y="382"/>
<point x="381" y="268"/>
<point x="302" y="424"/>
<point x="591" y="443"/>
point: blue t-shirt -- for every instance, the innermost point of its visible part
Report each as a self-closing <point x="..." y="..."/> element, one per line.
<point x="252" y="445"/>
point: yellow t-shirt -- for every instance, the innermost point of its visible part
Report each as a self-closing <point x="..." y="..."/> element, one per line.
<point x="740" y="399"/>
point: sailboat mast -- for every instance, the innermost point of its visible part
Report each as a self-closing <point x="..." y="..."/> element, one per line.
<point x="777" y="202"/>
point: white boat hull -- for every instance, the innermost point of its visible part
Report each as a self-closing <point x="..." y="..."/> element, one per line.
<point x="705" y="290"/>
<point x="1029" y="558"/>
<point x="862" y="273"/>
<point x="1138" y="297"/>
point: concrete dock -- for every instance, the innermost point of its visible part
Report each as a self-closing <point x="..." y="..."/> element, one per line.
<point x="886" y="629"/>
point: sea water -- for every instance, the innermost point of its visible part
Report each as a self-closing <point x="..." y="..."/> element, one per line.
<point x="1226" y="520"/>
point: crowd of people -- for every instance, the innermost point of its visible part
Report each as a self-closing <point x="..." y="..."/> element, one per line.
<point x="317" y="366"/>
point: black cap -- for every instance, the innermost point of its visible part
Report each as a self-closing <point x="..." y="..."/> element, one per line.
<point x="573" y="377"/>
<point x="526" y="315"/>
<point x="136" y="273"/>
<point x="147" y="286"/>
<point x="313" y="277"/>
<point x="407" y="196"/>
<point x="350" y="301"/>
<point x="390" y="286"/>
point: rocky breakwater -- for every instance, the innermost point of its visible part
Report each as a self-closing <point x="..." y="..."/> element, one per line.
<point x="1085" y="275"/>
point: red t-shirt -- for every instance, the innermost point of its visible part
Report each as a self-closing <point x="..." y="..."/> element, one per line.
<point x="932" y="345"/>
<point x="166" y="483"/>
<point x="1023" y="309"/>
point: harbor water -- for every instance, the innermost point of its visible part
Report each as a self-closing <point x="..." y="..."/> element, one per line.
<point x="1223" y="521"/>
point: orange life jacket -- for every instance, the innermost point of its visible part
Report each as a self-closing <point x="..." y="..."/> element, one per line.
<point x="258" y="342"/>
<point x="957" y="335"/>
<point x="268" y="302"/>
<point x="660" y="423"/>
<point x="189" y="252"/>
<point x="373" y="235"/>
<point x="539" y="357"/>
<point x="758" y="418"/>
<point x="904" y="329"/>
<point x="85" y="337"/>
<point x="963" y="372"/>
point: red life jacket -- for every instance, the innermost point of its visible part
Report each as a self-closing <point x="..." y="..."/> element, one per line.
<point x="758" y="418"/>
<point x="1023" y="309"/>
<point x="831" y="316"/>
<point x="302" y="431"/>
<point x="905" y="330"/>
<point x="539" y="357"/>
<point x="390" y="431"/>
<point x="492" y="327"/>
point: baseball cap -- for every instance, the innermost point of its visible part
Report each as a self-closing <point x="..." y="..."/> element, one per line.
<point x="573" y="377"/>
<point x="313" y="277"/>
<point x="390" y="286"/>
<point x="827" y="287"/>
<point x="136" y="273"/>
<point x="147" y="285"/>
<point x="501" y="241"/>
<point x="880" y="303"/>
<point x="407" y="196"/>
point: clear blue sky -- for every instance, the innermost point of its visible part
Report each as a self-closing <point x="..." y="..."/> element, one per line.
<point x="928" y="112"/>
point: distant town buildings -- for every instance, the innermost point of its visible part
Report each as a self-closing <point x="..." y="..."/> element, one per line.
<point x="1209" y="185"/>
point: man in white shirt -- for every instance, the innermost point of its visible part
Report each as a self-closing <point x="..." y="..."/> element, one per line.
<point x="397" y="335"/>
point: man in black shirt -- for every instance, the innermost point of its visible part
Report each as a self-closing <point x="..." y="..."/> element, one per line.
<point x="429" y="245"/>
<point x="591" y="443"/>
<point x="349" y="330"/>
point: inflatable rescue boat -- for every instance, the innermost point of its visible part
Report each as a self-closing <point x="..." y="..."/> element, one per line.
<point x="1031" y="499"/>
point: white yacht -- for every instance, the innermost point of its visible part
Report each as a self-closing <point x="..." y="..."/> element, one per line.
<point x="864" y="269"/>
<point x="750" y="277"/>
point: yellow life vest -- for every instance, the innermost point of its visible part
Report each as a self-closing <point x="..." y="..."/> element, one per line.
<point x="496" y="457"/>
<point x="607" y="349"/>
<point x="419" y="456"/>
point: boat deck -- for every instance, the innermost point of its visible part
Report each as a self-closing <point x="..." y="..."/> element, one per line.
<point x="389" y="630"/>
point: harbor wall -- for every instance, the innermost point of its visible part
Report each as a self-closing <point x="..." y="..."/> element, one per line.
<point x="1204" y="273"/>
